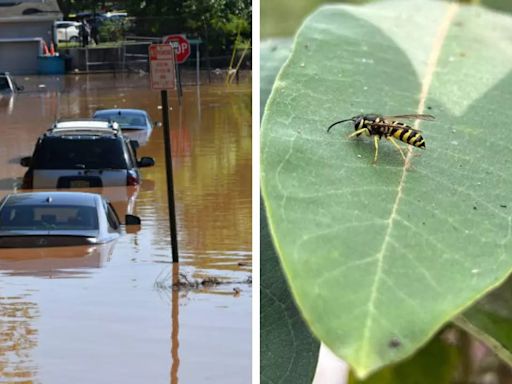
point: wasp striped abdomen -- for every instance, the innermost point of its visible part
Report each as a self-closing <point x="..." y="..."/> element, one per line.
<point x="406" y="134"/>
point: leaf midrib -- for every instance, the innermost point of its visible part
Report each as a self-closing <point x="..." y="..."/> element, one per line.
<point x="426" y="83"/>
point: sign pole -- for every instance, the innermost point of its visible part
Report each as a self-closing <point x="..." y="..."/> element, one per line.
<point x="178" y="78"/>
<point x="162" y="77"/>
<point x="197" y="64"/>
<point x="168" y="170"/>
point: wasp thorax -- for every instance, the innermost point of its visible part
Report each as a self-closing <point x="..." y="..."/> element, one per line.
<point x="371" y="117"/>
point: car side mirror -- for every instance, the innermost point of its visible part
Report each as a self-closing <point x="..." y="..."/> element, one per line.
<point x="146" y="162"/>
<point x="134" y="144"/>
<point x="132" y="220"/>
<point x="26" y="161"/>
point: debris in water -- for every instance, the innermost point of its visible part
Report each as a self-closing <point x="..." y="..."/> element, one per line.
<point x="184" y="282"/>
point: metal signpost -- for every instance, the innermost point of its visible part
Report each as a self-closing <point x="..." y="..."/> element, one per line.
<point x="163" y="77"/>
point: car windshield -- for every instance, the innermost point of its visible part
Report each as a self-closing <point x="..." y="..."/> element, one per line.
<point x="125" y="119"/>
<point x="74" y="153"/>
<point x="45" y="217"/>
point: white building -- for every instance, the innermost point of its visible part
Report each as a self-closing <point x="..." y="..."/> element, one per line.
<point x="24" y="25"/>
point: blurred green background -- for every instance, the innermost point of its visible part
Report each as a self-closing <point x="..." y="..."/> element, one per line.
<point x="279" y="18"/>
<point x="283" y="17"/>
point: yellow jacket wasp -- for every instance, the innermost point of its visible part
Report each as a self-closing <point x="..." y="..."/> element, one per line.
<point x="388" y="127"/>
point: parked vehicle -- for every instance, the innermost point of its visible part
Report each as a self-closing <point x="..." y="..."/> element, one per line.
<point x="116" y="15"/>
<point x="68" y="31"/>
<point x="7" y="84"/>
<point x="42" y="219"/>
<point x="136" y="123"/>
<point x="83" y="154"/>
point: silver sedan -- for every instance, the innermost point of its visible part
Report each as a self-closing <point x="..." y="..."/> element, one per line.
<point x="45" y="219"/>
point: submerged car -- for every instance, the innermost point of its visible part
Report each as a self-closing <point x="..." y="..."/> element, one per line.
<point x="8" y="84"/>
<point x="83" y="154"/>
<point x="46" y="219"/>
<point x="134" y="122"/>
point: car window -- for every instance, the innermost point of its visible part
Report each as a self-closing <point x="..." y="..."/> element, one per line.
<point x="125" y="120"/>
<point x="113" y="219"/>
<point x="132" y="156"/>
<point x="66" y="153"/>
<point x="45" y="217"/>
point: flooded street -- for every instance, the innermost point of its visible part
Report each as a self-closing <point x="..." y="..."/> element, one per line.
<point x="108" y="313"/>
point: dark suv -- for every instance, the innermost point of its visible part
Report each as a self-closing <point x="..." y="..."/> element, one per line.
<point x="81" y="154"/>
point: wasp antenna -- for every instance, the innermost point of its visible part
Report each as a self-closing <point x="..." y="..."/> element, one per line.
<point x="338" y="122"/>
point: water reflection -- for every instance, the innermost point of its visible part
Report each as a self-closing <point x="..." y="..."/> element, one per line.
<point x="54" y="262"/>
<point x="194" y="335"/>
<point x="18" y="337"/>
<point x="175" y="319"/>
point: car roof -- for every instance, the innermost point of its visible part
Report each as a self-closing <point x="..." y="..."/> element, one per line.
<point x="84" y="127"/>
<point x="82" y="199"/>
<point x="121" y="111"/>
<point x="79" y="124"/>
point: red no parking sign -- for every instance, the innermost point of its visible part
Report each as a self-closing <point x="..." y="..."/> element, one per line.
<point x="181" y="46"/>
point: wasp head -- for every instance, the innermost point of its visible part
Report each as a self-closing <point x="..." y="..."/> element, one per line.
<point x="358" y="121"/>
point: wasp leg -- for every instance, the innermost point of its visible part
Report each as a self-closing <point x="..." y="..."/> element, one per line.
<point x="376" y="142"/>
<point x="357" y="133"/>
<point x="389" y="138"/>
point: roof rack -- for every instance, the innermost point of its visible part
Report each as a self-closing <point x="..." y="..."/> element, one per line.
<point x="84" y="126"/>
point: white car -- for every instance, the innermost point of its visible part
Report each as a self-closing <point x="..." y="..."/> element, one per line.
<point x="68" y="31"/>
<point x="135" y="123"/>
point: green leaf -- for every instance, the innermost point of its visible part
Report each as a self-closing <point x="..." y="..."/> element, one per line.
<point x="288" y="350"/>
<point x="437" y="362"/>
<point x="273" y="53"/>
<point x="379" y="257"/>
<point x="490" y="320"/>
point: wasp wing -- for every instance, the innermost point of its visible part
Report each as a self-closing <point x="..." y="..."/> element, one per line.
<point x="391" y="125"/>
<point x="411" y="117"/>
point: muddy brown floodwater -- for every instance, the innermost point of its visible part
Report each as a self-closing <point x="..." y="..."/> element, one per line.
<point x="108" y="314"/>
